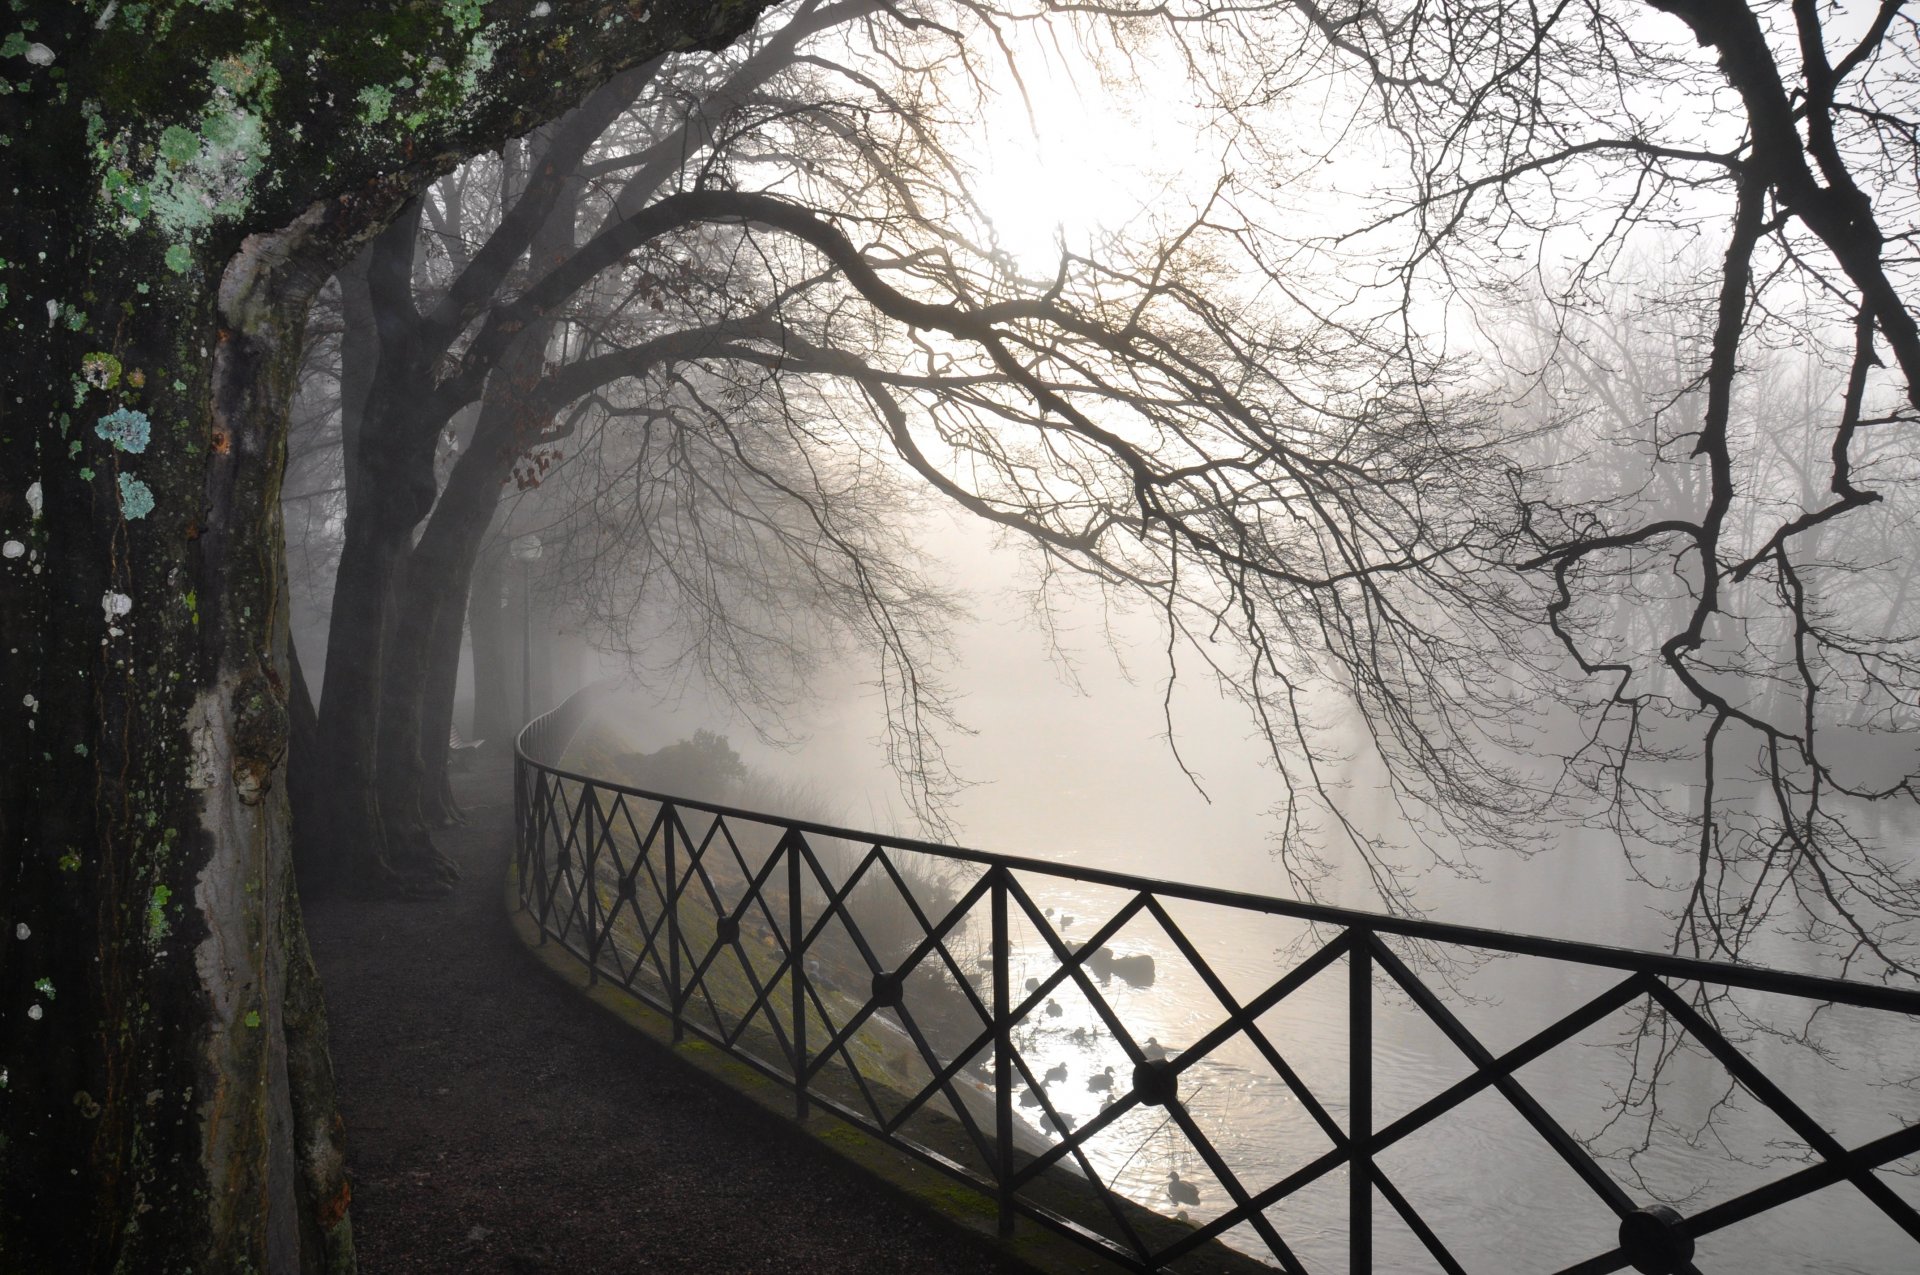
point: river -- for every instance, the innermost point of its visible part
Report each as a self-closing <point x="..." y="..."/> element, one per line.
<point x="1076" y="770"/>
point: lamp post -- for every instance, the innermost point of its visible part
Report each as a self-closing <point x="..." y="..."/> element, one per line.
<point x="527" y="549"/>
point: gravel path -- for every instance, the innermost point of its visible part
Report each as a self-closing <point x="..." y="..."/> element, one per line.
<point x="496" y="1123"/>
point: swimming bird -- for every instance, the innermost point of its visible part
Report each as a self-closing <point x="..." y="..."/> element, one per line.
<point x="1056" y="1073"/>
<point x="1054" y="1010"/>
<point x="1100" y="1081"/>
<point x="1033" y="984"/>
<point x="1181" y="1192"/>
<point x="1154" y="1050"/>
<point x="1029" y="1098"/>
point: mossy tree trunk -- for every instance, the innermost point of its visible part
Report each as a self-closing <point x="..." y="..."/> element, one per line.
<point x="181" y="178"/>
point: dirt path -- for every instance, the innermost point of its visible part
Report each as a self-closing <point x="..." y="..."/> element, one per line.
<point x="496" y="1123"/>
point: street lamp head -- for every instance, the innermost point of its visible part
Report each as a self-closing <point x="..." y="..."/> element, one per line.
<point x="526" y="548"/>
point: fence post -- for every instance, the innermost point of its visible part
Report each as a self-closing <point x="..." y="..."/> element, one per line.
<point x="797" y="971"/>
<point x="1002" y="1052"/>
<point x="671" y="901"/>
<point x="590" y="872"/>
<point x="538" y="809"/>
<point x="520" y="839"/>
<point x="1360" y="1099"/>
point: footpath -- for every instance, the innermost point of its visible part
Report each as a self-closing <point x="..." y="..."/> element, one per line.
<point x="497" y="1122"/>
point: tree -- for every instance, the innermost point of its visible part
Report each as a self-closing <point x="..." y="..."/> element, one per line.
<point x="181" y="179"/>
<point x="1133" y="417"/>
<point x="1274" y="435"/>
<point x="1402" y="176"/>
<point x="1547" y="145"/>
<point x="394" y="627"/>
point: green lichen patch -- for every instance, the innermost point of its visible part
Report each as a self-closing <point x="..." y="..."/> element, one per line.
<point x="157" y="915"/>
<point x="376" y="103"/>
<point x="198" y="170"/>
<point x="136" y="498"/>
<point x="179" y="146"/>
<point x="465" y="14"/>
<point x="215" y="178"/>
<point x="128" y="430"/>
<point x="100" y="370"/>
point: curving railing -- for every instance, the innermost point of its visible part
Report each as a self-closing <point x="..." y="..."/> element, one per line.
<point x="914" y="990"/>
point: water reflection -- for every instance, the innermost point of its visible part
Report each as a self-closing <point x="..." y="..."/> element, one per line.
<point x="1492" y="1188"/>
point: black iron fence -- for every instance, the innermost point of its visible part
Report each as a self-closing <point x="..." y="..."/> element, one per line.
<point x="876" y="978"/>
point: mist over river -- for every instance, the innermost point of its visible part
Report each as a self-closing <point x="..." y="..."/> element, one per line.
<point x="1075" y="769"/>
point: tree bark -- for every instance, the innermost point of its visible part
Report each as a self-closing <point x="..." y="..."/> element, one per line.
<point x="439" y="572"/>
<point x="151" y="1085"/>
<point x="305" y="795"/>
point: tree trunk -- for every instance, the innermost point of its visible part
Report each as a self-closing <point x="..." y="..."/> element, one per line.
<point x="167" y="1101"/>
<point x="493" y="710"/>
<point x="167" y="1104"/>
<point x="442" y="809"/>
<point x="417" y="705"/>
<point x="369" y="848"/>
<point x="417" y="691"/>
<point x="379" y="752"/>
<point x="428" y="588"/>
<point x="439" y="571"/>
<point x="353" y="839"/>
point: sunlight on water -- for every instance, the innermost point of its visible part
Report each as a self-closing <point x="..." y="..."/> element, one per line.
<point x="1065" y="783"/>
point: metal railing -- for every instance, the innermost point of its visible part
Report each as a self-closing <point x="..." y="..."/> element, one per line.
<point x="754" y="933"/>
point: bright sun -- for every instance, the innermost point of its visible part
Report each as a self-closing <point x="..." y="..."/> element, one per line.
<point x="1069" y="160"/>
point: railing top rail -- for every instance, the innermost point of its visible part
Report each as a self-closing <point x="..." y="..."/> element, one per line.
<point x="1757" y="978"/>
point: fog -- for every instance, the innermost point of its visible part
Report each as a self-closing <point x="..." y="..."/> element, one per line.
<point x="1267" y="515"/>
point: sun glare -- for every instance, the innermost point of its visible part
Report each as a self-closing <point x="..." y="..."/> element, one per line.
<point x="1070" y="158"/>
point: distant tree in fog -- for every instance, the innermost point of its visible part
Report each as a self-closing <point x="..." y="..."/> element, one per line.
<point x="787" y="277"/>
<point x="409" y="364"/>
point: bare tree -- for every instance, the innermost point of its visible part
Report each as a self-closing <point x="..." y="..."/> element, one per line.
<point x="1768" y="152"/>
<point x="1137" y="416"/>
